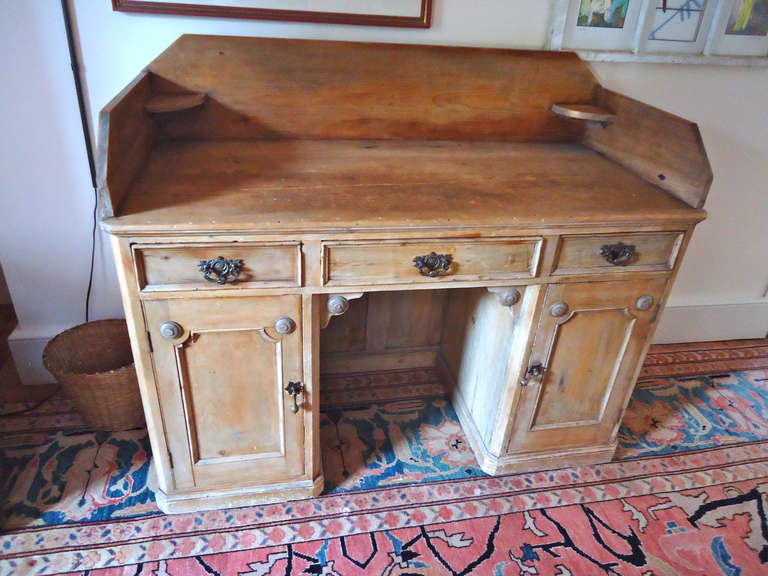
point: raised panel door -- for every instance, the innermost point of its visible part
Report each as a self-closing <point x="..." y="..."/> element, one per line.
<point x="589" y="341"/>
<point x="222" y="381"/>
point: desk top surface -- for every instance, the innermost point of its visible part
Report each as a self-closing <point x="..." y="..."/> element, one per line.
<point x="334" y="185"/>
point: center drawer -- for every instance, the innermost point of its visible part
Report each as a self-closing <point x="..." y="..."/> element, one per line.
<point x="217" y="266"/>
<point x="435" y="260"/>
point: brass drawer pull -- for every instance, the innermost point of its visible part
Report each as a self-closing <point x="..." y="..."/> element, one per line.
<point x="294" y="389"/>
<point x="619" y="254"/>
<point x="433" y="264"/>
<point x="221" y="270"/>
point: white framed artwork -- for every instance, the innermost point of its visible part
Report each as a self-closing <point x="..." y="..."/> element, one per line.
<point x="677" y="26"/>
<point x="687" y="31"/>
<point x="740" y="28"/>
<point x="601" y="24"/>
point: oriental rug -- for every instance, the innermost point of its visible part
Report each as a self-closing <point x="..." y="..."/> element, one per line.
<point x="686" y="493"/>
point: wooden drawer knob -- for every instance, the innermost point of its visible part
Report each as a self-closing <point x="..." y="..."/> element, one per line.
<point x="171" y="330"/>
<point x="285" y="325"/>
<point x="506" y="297"/>
<point x="558" y="309"/>
<point x="337" y="305"/>
<point x="644" y="302"/>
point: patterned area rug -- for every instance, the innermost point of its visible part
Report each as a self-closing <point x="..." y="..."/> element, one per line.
<point x="685" y="495"/>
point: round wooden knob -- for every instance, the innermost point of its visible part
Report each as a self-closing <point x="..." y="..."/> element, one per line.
<point x="285" y="325"/>
<point x="644" y="302"/>
<point x="171" y="330"/>
<point x="337" y="305"/>
<point x="509" y="298"/>
<point x="558" y="309"/>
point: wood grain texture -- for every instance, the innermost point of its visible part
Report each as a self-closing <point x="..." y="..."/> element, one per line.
<point x="229" y="366"/>
<point x="278" y="88"/>
<point x="327" y="167"/>
<point x="660" y="147"/>
<point x="242" y="496"/>
<point x="385" y="331"/>
<point x="477" y="347"/>
<point x="125" y="138"/>
<point x="142" y="356"/>
<point x="590" y="355"/>
<point x="234" y="186"/>
<point x="585" y="112"/>
<point x="392" y="261"/>
<point x="167" y="103"/>
<point x="176" y="266"/>
<point x="653" y="251"/>
<point x="346" y="333"/>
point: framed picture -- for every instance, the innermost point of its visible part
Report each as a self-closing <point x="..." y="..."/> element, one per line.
<point x="677" y="26"/>
<point x="599" y="24"/>
<point x="401" y="13"/>
<point x="690" y="31"/>
<point x="740" y="28"/>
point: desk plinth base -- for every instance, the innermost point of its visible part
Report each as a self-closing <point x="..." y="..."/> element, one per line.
<point x="570" y="458"/>
<point x="238" y="497"/>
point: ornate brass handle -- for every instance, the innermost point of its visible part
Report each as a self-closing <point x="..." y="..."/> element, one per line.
<point x="535" y="372"/>
<point x="221" y="270"/>
<point x="433" y="264"/>
<point x="619" y="254"/>
<point x="294" y="389"/>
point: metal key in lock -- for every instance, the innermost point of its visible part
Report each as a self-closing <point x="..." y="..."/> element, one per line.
<point x="535" y="372"/>
<point x="294" y="389"/>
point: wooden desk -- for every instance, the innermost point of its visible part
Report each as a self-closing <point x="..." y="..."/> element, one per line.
<point x="282" y="208"/>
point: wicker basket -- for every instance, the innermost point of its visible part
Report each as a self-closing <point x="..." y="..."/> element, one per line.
<point x="94" y="365"/>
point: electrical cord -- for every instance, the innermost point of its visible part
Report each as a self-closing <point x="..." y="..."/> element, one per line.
<point x="75" y="64"/>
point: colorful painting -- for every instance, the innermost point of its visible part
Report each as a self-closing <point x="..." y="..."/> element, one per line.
<point x="603" y="13"/>
<point x="748" y="18"/>
<point x="677" y="20"/>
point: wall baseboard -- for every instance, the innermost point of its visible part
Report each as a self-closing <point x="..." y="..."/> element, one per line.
<point x="713" y="322"/>
<point x="28" y="356"/>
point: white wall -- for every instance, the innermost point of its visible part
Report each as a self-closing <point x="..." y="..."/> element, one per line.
<point x="45" y="192"/>
<point x="720" y="292"/>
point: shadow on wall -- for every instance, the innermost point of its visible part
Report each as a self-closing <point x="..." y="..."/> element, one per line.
<point x="5" y="295"/>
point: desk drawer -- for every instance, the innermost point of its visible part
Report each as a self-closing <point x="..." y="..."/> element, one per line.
<point x="618" y="252"/>
<point x="243" y="265"/>
<point x="441" y="260"/>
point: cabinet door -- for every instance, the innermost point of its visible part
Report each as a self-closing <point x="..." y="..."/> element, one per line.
<point x="589" y="342"/>
<point x="221" y="381"/>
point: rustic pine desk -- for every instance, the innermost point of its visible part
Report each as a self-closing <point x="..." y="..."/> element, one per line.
<point x="284" y="208"/>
